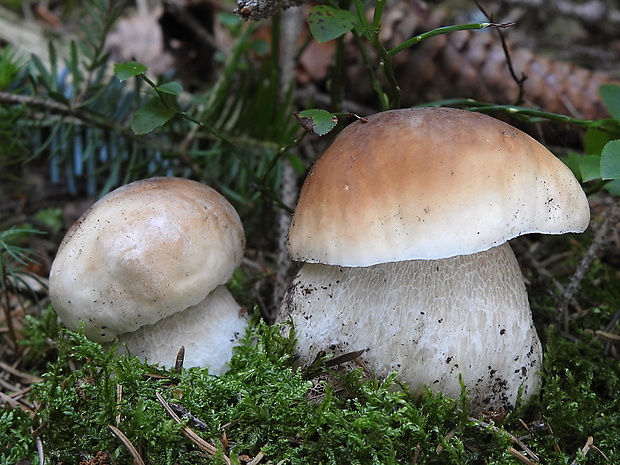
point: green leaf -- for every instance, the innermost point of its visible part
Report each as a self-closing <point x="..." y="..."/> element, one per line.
<point x="40" y="74"/>
<point x="296" y="163"/>
<point x="590" y="167"/>
<point x="610" y="93"/>
<point x="172" y="88"/>
<point x="317" y="122"/>
<point x="327" y="23"/>
<point x="613" y="187"/>
<point x="124" y="71"/>
<point x="58" y="97"/>
<point x="610" y="160"/>
<point x="596" y="139"/>
<point x="573" y="160"/>
<point x="260" y="47"/>
<point x="153" y="115"/>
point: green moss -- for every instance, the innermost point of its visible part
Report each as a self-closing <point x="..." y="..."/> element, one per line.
<point x="15" y="437"/>
<point x="264" y="403"/>
<point x="580" y="395"/>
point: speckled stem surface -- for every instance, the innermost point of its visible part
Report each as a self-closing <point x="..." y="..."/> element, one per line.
<point x="429" y="319"/>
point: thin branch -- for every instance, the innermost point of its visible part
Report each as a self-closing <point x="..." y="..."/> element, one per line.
<point x="584" y="451"/>
<point x="40" y="452"/>
<point x="203" y="36"/>
<point x="257" y="459"/>
<point x="101" y="122"/>
<point x="128" y="445"/>
<point x="522" y="457"/>
<point x="188" y="432"/>
<point x="520" y="81"/>
<point x="514" y="440"/>
<point x="56" y="108"/>
<point x="8" y="318"/>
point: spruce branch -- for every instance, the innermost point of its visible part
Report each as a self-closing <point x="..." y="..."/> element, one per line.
<point x="80" y="116"/>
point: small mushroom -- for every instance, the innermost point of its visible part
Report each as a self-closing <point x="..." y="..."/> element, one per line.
<point x="403" y="222"/>
<point x="147" y="263"/>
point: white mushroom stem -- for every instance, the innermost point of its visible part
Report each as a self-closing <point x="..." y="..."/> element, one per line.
<point x="210" y="345"/>
<point x="429" y="319"/>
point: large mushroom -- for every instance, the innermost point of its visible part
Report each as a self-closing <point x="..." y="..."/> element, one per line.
<point x="403" y="223"/>
<point x="147" y="263"/>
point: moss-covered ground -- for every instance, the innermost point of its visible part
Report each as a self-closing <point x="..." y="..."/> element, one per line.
<point x="94" y="408"/>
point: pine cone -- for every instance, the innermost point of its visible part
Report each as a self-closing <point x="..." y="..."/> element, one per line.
<point x="473" y="64"/>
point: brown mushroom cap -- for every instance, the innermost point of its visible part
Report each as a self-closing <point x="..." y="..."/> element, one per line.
<point x="142" y="253"/>
<point x="430" y="183"/>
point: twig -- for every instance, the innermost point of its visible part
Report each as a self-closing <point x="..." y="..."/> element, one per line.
<point x="608" y="330"/>
<point x="291" y="22"/>
<point x="25" y="377"/>
<point x="600" y="452"/>
<point x="540" y="268"/>
<point x="600" y="238"/>
<point x="447" y="438"/>
<point x="188" y="432"/>
<point x="178" y="363"/>
<point x="188" y="21"/>
<point x="16" y="398"/>
<point x="585" y="449"/>
<point x="40" y="452"/>
<point x="511" y="69"/>
<point x="6" y="399"/>
<point x="521" y="457"/>
<point x="8" y="318"/>
<point x="514" y="440"/>
<point x="127" y="443"/>
<point x="257" y="459"/>
<point x="607" y="336"/>
<point x="416" y="454"/>
<point x="612" y="322"/>
<point x="119" y="399"/>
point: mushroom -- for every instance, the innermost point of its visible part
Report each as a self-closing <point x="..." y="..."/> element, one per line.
<point x="403" y="223"/>
<point x="147" y="263"/>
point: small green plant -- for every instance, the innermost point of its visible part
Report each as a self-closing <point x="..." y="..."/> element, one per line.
<point x="330" y="22"/>
<point x="601" y="163"/>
